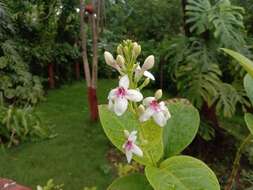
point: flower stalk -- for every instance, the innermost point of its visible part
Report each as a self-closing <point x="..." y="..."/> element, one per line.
<point x="236" y="163"/>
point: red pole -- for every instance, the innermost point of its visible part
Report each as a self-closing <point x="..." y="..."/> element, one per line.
<point x="51" y="81"/>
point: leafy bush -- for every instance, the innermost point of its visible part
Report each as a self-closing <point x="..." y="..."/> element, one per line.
<point x="17" y="84"/>
<point x="19" y="125"/>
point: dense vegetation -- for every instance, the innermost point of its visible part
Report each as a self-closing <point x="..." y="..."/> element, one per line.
<point x="41" y="48"/>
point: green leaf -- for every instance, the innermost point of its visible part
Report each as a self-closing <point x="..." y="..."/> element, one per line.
<point x="248" y="117"/>
<point x="149" y="134"/>
<point x="182" y="173"/>
<point x="181" y="128"/>
<point x="248" y="85"/>
<point x="131" y="182"/>
<point x="245" y="62"/>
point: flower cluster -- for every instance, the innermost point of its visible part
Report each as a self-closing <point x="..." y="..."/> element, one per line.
<point x="133" y="78"/>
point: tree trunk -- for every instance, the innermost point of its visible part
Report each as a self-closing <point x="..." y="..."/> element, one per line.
<point x="91" y="83"/>
<point x="94" y="68"/>
<point x="84" y="45"/>
<point x="51" y="81"/>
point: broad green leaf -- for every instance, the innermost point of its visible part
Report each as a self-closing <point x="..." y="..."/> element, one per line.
<point x="131" y="182"/>
<point x="182" y="173"/>
<point x="181" y="128"/>
<point x="245" y="62"/>
<point x="248" y="85"/>
<point x="248" y="117"/>
<point x="149" y="134"/>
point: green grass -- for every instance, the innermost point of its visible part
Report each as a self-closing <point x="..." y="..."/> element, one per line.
<point x="76" y="156"/>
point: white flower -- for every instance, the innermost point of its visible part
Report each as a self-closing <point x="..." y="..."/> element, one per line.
<point x="148" y="64"/>
<point x="130" y="147"/>
<point x="158" y="111"/>
<point x="118" y="97"/>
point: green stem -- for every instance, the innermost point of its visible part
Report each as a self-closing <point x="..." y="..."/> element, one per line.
<point x="236" y="163"/>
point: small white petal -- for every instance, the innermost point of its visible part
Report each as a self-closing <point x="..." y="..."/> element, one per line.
<point x="132" y="137"/>
<point x="146" y="115"/>
<point x="160" y="119"/>
<point x="148" y="63"/>
<point x="167" y="114"/>
<point x="136" y="150"/>
<point x="110" y="105"/>
<point x="149" y="75"/>
<point x="124" y="82"/>
<point x="120" y="106"/>
<point x="134" y="95"/>
<point x="148" y="100"/>
<point x="129" y="156"/>
<point x="112" y="94"/>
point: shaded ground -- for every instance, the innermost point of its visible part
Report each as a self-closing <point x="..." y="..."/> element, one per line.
<point x="76" y="157"/>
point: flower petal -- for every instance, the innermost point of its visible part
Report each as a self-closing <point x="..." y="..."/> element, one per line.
<point x="146" y="115"/>
<point x="132" y="137"/>
<point x="120" y="106"/>
<point x="124" y="82"/>
<point x="136" y="150"/>
<point x="160" y="119"/>
<point x="134" y="95"/>
<point x="147" y="100"/>
<point x="110" y="105"/>
<point x="149" y="75"/>
<point x="112" y="94"/>
<point x="129" y="156"/>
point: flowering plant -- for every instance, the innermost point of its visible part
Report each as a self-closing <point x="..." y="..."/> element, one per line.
<point x="150" y="131"/>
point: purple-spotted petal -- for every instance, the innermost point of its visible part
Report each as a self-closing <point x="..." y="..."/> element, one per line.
<point x="148" y="100"/>
<point x="120" y="106"/>
<point x="149" y="75"/>
<point x="134" y="95"/>
<point x="124" y="82"/>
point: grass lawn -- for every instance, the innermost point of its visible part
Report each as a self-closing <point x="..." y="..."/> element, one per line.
<point x="76" y="157"/>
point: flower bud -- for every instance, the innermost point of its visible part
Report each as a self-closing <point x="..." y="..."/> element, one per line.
<point x="121" y="61"/>
<point x="136" y="49"/>
<point x="120" y="49"/>
<point x="158" y="94"/>
<point x="148" y="63"/>
<point x="126" y="133"/>
<point x="109" y="59"/>
<point x="141" y="109"/>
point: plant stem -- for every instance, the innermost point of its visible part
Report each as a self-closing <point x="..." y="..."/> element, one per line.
<point x="236" y="163"/>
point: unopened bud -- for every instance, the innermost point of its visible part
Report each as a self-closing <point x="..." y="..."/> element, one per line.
<point x="109" y="59"/>
<point x="141" y="109"/>
<point x="158" y="94"/>
<point x="120" y="50"/>
<point x="136" y="49"/>
<point x="148" y="63"/>
<point x="126" y="133"/>
<point x="121" y="61"/>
